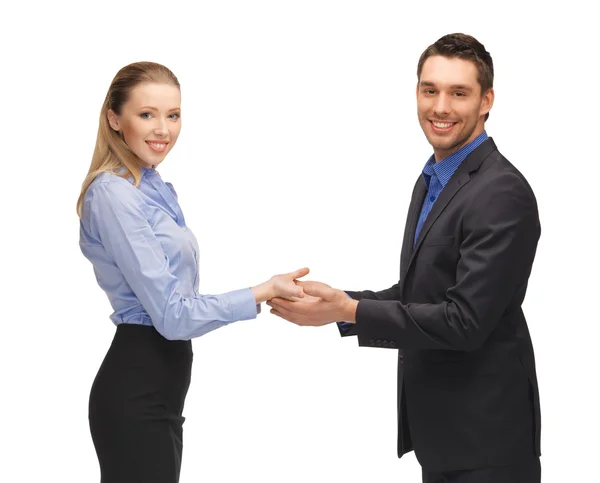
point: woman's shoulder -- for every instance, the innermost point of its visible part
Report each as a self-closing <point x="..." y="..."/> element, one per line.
<point x="110" y="189"/>
<point x="111" y="183"/>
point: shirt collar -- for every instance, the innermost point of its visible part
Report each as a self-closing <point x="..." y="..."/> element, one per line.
<point x="447" y="166"/>
<point x="147" y="171"/>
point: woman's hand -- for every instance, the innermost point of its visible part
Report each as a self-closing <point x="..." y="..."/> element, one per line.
<point x="282" y="286"/>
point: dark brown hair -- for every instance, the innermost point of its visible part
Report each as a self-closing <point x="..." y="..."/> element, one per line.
<point x="466" y="47"/>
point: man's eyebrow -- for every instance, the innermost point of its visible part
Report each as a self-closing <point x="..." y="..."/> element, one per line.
<point x="461" y="87"/>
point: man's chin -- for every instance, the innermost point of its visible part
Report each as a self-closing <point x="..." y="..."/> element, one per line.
<point x="442" y="146"/>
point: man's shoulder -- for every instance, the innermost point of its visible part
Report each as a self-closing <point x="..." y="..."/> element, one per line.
<point x="496" y="165"/>
<point x="499" y="179"/>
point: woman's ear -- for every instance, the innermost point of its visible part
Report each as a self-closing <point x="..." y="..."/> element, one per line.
<point x="113" y="120"/>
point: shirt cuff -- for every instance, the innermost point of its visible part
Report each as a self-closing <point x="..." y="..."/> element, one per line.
<point x="243" y="305"/>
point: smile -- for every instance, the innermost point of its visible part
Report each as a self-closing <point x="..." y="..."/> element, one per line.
<point x="157" y="146"/>
<point x="440" y="126"/>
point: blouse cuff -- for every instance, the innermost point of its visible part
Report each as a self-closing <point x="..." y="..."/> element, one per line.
<point x="243" y="304"/>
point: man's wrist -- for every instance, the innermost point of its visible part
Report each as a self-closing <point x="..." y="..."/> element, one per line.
<point x="349" y="310"/>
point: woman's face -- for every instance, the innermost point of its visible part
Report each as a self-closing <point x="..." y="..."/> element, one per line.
<point x="150" y="121"/>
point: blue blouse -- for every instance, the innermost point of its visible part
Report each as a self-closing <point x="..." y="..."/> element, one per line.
<point x="146" y="259"/>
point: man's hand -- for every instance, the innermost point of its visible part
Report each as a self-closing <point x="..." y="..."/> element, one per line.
<point x="320" y="305"/>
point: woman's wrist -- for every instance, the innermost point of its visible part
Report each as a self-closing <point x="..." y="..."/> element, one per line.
<point x="263" y="292"/>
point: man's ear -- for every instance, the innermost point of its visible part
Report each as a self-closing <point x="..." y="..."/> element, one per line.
<point x="488" y="102"/>
<point x="113" y="120"/>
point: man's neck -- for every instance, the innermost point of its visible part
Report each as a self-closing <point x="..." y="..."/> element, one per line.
<point x="440" y="155"/>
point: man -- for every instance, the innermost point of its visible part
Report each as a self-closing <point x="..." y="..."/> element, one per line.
<point x="467" y="391"/>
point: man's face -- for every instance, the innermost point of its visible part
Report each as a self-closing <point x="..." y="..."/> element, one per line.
<point x="450" y="104"/>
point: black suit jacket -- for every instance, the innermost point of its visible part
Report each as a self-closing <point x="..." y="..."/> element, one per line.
<point x="467" y="389"/>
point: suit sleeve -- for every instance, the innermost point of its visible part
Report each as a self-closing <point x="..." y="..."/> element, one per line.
<point x="392" y="293"/>
<point x="501" y="232"/>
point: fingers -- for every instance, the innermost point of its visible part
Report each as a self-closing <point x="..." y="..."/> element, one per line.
<point x="280" y="304"/>
<point x="315" y="289"/>
<point x="309" y="299"/>
<point x="297" y="292"/>
<point x="283" y="313"/>
<point x="291" y="311"/>
<point x="301" y="273"/>
<point x="293" y="295"/>
<point x="294" y="290"/>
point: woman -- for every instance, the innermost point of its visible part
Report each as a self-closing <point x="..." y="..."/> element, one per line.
<point x="145" y="259"/>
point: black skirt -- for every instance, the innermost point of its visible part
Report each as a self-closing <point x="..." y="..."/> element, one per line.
<point x="136" y="406"/>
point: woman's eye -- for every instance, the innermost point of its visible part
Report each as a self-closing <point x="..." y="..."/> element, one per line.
<point x="175" y="116"/>
<point x="145" y="115"/>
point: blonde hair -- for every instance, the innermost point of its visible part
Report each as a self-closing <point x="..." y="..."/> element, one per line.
<point x="111" y="154"/>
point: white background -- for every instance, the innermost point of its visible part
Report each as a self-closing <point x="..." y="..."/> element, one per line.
<point x="300" y="146"/>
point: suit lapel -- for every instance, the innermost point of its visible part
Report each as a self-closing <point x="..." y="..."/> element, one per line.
<point x="414" y="210"/>
<point x="459" y="179"/>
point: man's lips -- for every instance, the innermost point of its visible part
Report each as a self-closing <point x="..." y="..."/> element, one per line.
<point x="442" y="126"/>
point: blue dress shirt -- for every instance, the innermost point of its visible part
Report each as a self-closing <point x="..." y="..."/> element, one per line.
<point x="437" y="175"/>
<point x="146" y="259"/>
